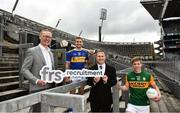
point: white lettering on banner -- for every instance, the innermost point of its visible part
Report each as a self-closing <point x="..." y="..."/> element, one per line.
<point x="57" y="75"/>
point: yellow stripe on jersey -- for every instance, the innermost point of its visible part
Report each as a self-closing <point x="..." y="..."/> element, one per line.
<point x="78" y="59"/>
<point x="135" y="84"/>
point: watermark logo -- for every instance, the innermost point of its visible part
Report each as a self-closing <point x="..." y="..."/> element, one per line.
<point x="57" y="75"/>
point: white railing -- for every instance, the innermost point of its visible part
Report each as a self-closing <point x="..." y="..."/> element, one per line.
<point x="55" y="97"/>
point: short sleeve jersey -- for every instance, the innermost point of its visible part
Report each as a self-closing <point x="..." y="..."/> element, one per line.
<point x="138" y="85"/>
<point x="77" y="58"/>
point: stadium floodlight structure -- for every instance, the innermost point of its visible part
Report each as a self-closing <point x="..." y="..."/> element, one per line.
<point x="103" y="15"/>
<point x="58" y="23"/>
<point x="14" y="7"/>
<point x="80" y="33"/>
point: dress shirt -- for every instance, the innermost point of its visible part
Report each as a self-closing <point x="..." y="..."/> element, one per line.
<point x="103" y="68"/>
<point x="47" y="57"/>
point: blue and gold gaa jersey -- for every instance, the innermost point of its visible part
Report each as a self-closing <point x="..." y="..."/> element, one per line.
<point x="77" y="58"/>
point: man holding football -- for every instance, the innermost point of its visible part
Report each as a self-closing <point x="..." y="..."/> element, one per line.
<point x="137" y="82"/>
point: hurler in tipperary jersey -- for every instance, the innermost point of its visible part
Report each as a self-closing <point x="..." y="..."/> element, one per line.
<point x="77" y="58"/>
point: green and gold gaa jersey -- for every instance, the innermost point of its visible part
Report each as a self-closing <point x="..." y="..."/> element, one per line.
<point x="138" y="84"/>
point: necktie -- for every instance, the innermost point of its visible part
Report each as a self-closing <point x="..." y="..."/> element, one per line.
<point x="100" y="67"/>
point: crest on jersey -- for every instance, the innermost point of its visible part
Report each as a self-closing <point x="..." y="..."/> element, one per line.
<point x="144" y="78"/>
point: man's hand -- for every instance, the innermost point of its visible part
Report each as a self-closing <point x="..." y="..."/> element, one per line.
<point x="41" y="82"/>
<point x="96" y="79"/>
<point x="67" y="79"/>
<point x="105" y="78"/>
<point x="91" y="51"/>
<point x="157" y="98"/>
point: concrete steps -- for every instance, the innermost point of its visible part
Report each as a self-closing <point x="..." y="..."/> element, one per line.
<point x="10" y="54"/>
<point x="164" y="87"/>
<point x="11" y="59"/>
<point x="174" y="103"/>
<point x="167" y="104"/>
<point x="8" y="68"/>
<point x="8" y="50"/>
<point x="7" y="79"/>
<point x="12" y="94"/>
<point x="9" y="86"/>
<point x="9" y="73"/>
<point x="9" y="63"/>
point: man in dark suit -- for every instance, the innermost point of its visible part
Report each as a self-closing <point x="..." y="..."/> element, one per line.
<point x="100" y="95"/>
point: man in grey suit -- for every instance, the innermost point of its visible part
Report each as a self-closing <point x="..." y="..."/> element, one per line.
<point x="36" y="58"/>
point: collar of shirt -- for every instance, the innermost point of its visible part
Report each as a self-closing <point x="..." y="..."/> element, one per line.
<point x="103" y="67"/>
<point x="43" y="48"/>
<point x="47" y="57"/>
<point x="78" y="49"/>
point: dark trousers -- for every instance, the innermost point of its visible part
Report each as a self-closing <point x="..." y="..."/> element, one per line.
<point x="99" y="107"/>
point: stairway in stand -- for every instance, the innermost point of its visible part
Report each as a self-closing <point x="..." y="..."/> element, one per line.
<point x="9" y="77"/>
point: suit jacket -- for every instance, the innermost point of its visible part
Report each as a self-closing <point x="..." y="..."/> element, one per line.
<point x="101" y="93"/>
<point x="33" y="63"/>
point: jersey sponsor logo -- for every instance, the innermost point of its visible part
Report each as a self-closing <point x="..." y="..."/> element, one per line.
<point x="78" y="59"/>
<point x="135" y="84"/>
<point x="138" y="77"/>
<point x="132" y="78"/>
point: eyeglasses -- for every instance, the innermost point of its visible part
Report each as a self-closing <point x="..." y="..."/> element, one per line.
<point x="47" y="36"/>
